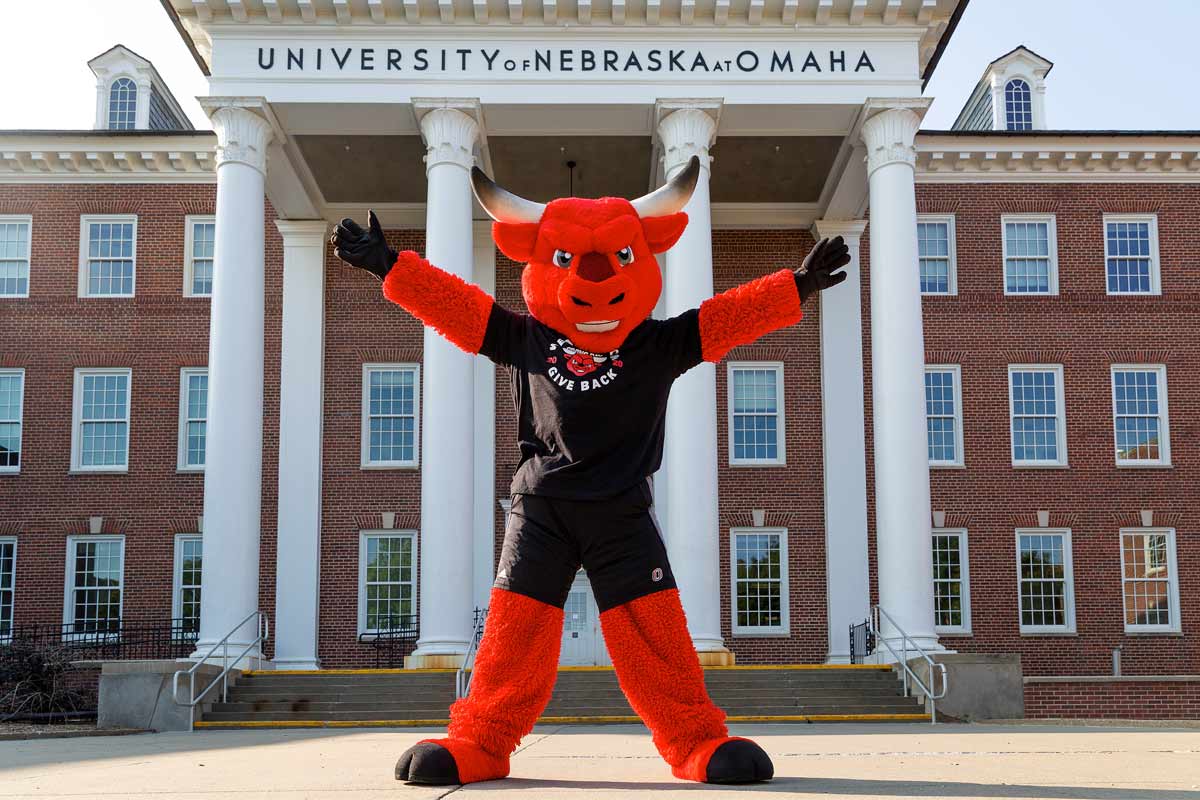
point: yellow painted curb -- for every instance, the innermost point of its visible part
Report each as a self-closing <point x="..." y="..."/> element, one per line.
<point x="436" y="723"/>
<point x="346" y="671"/>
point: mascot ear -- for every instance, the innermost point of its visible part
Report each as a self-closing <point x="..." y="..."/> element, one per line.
<point x="662" y="232"/>
<point x="516" y="239"/>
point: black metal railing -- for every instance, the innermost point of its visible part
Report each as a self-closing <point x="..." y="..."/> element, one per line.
<point x="862" y="642"/>
<point x="392" y="638"/>
<point x="111" y="640"/>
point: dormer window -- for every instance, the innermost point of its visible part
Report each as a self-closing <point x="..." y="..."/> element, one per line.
<point x="122" y="105"/>
<point x="1018" y="106"/>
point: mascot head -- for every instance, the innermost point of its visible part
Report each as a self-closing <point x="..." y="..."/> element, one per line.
<point x="590" y="271"/>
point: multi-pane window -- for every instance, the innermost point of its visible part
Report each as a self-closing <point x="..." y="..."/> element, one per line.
<point x="951" y="582"/>
<point x="189" y="561"/>
<point x="12" y="395"/>
<point x="95" y="581"/>
<point x="107" y="256"/>
<point x="1148" y="580"/>
<point x="387" y="581"/>
<point x="1038" y="416"/>
<point x="198" y="260"/>
<point x="1131" y="254"/>
<point x="14" y="256"/>
<point x="122" y="105"/>
<point x="1045" y="581"/>
<point x="760" y="583"/>
<point x="1140" y="415"/>
<point x="756" y="414"/>
<point x="100" y="439"/>
<point x="193" y="417"/>
<point x="1018" y="106"/>
<point x="390" y="408"/>
<point x="935" y="248"/>
<point x="8" y="570"/>
<point x="943" y="415"/>
<point x="1030" y="255"/>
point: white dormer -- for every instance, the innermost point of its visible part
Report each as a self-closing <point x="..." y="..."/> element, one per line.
<point x="1011" y="95"/>
<point x="130" y="95"/>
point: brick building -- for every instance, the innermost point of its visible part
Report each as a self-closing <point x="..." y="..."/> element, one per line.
<point x="1030" y="491"/>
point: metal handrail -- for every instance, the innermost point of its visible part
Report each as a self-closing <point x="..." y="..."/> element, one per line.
<point x="462" y="679"/>
<point x="263" y="625"/>
<point x="908" y="672"/>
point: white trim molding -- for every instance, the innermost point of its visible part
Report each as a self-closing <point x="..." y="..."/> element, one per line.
<point x="1164" y="424"/>
<point x="775" y="367"/>
<point x="1068" y="626"/>
<point x="1165" y="564"/>
<point x="1151" y="222"/>
<point x="365" y="461"/>
<point x="185" y="417"/>
<point x="1060" y="415"/>
<point x="27" y="221"/>
<point x="86" y="221"/>
<point x="77" y="420"/>
<point x="1051" y="223"/>
<point x="414" y="566"/>
<point x="964" y="580"/>
<point x="177" y="573"/>
<point x="784" y="628"/>
<point x="10" y="590"/>
<point x="951" y="254"/>
<point x="956" y="371"/>
<point x="69" y="584"/>
<point x="189" y="253"/>
<point x="104" y="157"/>
<point x="20" y="420"/>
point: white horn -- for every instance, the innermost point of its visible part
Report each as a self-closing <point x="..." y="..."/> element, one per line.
<point x="671" y="197"/>
<point x="501" y="204"/>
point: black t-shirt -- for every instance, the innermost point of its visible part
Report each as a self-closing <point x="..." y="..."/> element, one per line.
<point x="589" y="425"/>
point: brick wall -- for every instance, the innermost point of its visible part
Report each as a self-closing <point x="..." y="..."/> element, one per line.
<point x="1113" y="700"/>
<point x="1086" y="331"/>
<point x="155" y="334"/>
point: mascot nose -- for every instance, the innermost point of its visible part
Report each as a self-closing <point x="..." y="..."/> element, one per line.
<point x="595" y="267"/>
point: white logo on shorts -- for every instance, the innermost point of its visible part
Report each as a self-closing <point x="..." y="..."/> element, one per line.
<point x="656" y="575"/>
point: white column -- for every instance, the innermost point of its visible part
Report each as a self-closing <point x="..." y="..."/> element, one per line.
<point x="298" y="552"/>
<point x="690" y="457"/>
<point x="447" y="406"/>
<point x="843" y="436"/>
<point x="233" y="463"/>
<point x="902" y="507"/>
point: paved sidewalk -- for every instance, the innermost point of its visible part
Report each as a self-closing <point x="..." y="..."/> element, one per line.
<point x="582" y="763"/>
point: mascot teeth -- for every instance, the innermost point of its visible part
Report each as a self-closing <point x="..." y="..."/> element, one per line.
<point x="598" y="327"/>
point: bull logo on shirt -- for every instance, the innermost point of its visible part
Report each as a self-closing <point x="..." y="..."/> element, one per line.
<point x="582" y="363"/>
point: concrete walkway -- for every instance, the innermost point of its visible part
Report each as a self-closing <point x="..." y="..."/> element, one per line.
<point x="581" y="763"/>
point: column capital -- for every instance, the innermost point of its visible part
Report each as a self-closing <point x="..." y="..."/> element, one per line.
<point x="890" y="136"/>
<point x="849" y="229"/>
<point x="450" y="136"/>
<point x="302" y="232"/>
<point x="243" y="133"/>
<point x="685" y="132"/>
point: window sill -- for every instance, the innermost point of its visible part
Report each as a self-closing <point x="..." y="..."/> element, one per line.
<point x="14" y="297"/>
<point x="82" y="471"/>
<point x="947" y="465"/>
<point x="1021" y="465"/>
<point x="744" y="464"/>
<point x="7" y="471"/>
<point x="189" y="470"/>
<point x="1051" y="634"/>
<point x="1175" y="634"/>
<point x="1144" y="466"/>
<point x="382" y="467"/>
<point x="954" y="634"/>
<point x="762" y="635"/>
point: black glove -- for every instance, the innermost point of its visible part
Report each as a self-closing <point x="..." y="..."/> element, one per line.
<point x="363" y="249"/>
<point x="819" y="270"/>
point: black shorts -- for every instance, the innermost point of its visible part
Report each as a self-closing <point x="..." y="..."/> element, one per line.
<point x="616" y="540"/>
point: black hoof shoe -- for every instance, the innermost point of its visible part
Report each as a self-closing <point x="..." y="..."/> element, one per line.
<point x="427" y="763"/>
<point x="739" y="761"/>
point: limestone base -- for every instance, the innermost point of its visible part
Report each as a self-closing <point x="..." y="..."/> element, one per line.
<point x="717" y="658"/>
<point x="434" y="661"/>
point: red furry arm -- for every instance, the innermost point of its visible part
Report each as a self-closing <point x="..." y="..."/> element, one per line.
<point x="746" y="312"/>
<point x="454" y="308"/>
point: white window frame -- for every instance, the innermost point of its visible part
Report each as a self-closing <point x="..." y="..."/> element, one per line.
<point x="781" y="428"/>
<point x="27" y="220"/>
<point x="365" y="426"/>
<point x="1061" y="415"/>
<point x="1176" y="624"/>
<point x="6" y="470"/>
<point x="189" y="239"/>
<point x="69" y="583"/>
<point x="85" y="223"/>
<point x="952" y="247"/>
<point x="181" y="464"/>
<point x="1051" y="243"/>
<point x="177" y="571"/>
<point x="1155" y="269"/>
<point x="137" y="101"/>
<point x="77" y="419"/>
<point x="363" y="536"/>
<point x="959" y="461"/>
<point x="12" y="587"/>
<point x="1164" y="422"/>
<point x="965" y="580"/>
<point x="784" y="628"/>
<point x="1068" y="584"/>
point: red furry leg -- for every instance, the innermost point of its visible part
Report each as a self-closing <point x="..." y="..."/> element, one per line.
<point x="659" y="672"/>
<point x="511" y="683"/>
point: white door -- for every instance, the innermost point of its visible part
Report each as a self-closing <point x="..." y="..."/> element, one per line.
<point x="581" y="626"/>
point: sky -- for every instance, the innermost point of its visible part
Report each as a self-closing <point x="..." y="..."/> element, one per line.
<point x="1118" y="63"/>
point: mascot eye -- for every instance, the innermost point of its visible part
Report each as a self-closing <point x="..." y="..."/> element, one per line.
<point x="625" y="256"/>
<point x="563" y="259"/>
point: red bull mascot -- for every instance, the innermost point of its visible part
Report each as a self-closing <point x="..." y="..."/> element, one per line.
<point x="590" y="374"/>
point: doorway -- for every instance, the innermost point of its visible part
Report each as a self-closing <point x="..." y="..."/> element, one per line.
<point x="582" y="642"/>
